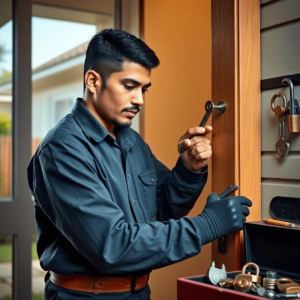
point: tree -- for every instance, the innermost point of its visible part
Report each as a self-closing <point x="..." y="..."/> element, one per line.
<point x="5" y="123"/>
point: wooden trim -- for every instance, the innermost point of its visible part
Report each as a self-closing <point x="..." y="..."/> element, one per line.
<point x="141" y="34"/>
<point x="118" y="14"/>
<point x="236" y="134"/>
<point x="141" y="19"/>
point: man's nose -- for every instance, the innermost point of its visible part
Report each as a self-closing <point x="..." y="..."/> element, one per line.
<point x="138" y="99"/>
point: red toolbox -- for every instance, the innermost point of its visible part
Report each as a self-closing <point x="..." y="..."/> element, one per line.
<point x="272" y="248"/>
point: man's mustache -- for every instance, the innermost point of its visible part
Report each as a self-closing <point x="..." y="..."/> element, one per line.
<point x="133" y="107"/>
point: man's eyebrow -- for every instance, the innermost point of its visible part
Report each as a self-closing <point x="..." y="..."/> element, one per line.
<point x="136" y="82"/>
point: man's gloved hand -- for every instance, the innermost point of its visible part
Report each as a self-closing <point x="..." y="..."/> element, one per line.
<point x="230" y="211"/>
<point x="222" y="217"/>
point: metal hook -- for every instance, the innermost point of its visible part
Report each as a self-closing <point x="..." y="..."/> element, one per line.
<point x="291" y="85"/>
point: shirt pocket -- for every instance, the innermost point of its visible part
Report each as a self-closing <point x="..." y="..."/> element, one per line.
<point x="148" y="182"/>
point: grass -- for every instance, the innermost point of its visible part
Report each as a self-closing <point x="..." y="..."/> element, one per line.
<point x="6" y="252"/>
<point x="34" y="297"/>
<point x="6" y="256"/>
<point x="37" y="297"/>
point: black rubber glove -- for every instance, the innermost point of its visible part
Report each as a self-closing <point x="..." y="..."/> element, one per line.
<point x="222" y="217"/>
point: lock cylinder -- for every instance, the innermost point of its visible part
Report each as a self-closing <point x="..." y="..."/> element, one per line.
<point x="269" y="281"/>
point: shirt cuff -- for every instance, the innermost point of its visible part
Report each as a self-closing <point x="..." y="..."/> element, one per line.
<point x="208" y="226"/>
<point x="189" y="176"/>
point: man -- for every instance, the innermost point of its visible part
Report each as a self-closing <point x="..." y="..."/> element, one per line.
<point x="107" y="211"/>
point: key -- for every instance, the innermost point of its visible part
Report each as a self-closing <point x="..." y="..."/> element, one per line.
<point x="258" y="289"/>
<point x="282" y="146"/>
<point x="209" y="107"/>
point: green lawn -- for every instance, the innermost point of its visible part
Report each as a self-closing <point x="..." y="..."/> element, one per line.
<point x="6" y="256"/>
<point x="34" y="297"/>
<point x="6" y="252"/>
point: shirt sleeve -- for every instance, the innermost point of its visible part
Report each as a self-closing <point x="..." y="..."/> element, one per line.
<point x="77" y="202"/>
<point x="177" y="190"/>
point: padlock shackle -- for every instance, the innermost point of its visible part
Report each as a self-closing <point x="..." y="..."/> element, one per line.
<point x="292" y="99"/>
<point x="251" y="264"/>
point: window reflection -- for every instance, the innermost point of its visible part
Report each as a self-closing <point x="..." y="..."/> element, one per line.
<point x="6" y="30"/>
<point x="59" y="41"/>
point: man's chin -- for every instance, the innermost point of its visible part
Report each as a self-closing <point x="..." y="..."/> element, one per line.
<point x="119" y="124"/>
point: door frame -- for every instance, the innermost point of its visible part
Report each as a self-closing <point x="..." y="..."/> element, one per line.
<point x="236" y="138"/>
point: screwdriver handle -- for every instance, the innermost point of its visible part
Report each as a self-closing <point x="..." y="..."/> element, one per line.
<point x="231" y="189"/>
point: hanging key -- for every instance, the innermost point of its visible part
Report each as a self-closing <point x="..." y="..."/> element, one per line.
<point x="282" y="146"/>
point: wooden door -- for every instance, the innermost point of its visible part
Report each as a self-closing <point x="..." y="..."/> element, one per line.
<point x="236" y="137"/>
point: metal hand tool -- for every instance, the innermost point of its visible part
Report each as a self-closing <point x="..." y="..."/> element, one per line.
<point x="223" y="240"/>
<point x="231" y="189"/>
<point x="282" y="223"/>
<point x="209" y="107"/>
<point x="270" y="294"/>
<point x="296" y="295"/>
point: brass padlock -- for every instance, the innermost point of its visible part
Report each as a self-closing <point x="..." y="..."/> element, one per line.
<point x="226" y="282"/>
<point x="287" y="286"/>
<point x="242" y="283"/>
<point x="255" y="278"/>
<point x="293" y="118"/>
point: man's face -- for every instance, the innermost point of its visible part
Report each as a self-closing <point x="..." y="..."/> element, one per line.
<point x="124" y="94"/>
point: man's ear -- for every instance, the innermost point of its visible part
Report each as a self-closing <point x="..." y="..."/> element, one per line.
<point x="93" y="81"/>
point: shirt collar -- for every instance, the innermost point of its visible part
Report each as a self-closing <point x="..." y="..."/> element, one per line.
<point x="89" y="124"/>
<point x="93" y="128"/>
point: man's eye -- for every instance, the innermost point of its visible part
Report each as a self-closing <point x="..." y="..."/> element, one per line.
<point x="144" y="90"/>
<point x="128" y="87"/>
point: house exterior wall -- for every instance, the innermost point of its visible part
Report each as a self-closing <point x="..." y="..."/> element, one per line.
<point x="43" y="106"/>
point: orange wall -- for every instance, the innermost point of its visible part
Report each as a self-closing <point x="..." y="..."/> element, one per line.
<point x="180" y="34"/>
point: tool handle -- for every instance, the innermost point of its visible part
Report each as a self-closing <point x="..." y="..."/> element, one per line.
<point x="231" y="189"/>
<point x="278" y="223"/>
<point x="202" y="124"/>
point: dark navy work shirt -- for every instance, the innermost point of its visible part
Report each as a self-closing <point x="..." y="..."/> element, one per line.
<point x="107" y="207"/>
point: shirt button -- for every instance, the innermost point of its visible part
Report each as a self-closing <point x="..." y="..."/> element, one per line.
<point x="133" y="201"/>
<point x="128" y="176"/>
<point x="152" y="179"/>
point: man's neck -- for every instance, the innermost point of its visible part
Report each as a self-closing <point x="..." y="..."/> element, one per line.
<point x="109" y="127"/>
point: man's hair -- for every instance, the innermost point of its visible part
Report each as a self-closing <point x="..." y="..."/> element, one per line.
<point x="110" y="47"/>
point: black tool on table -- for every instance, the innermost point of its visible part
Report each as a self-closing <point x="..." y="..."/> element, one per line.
<point x="223" y="240"/>
<point x="209" y="107"/>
